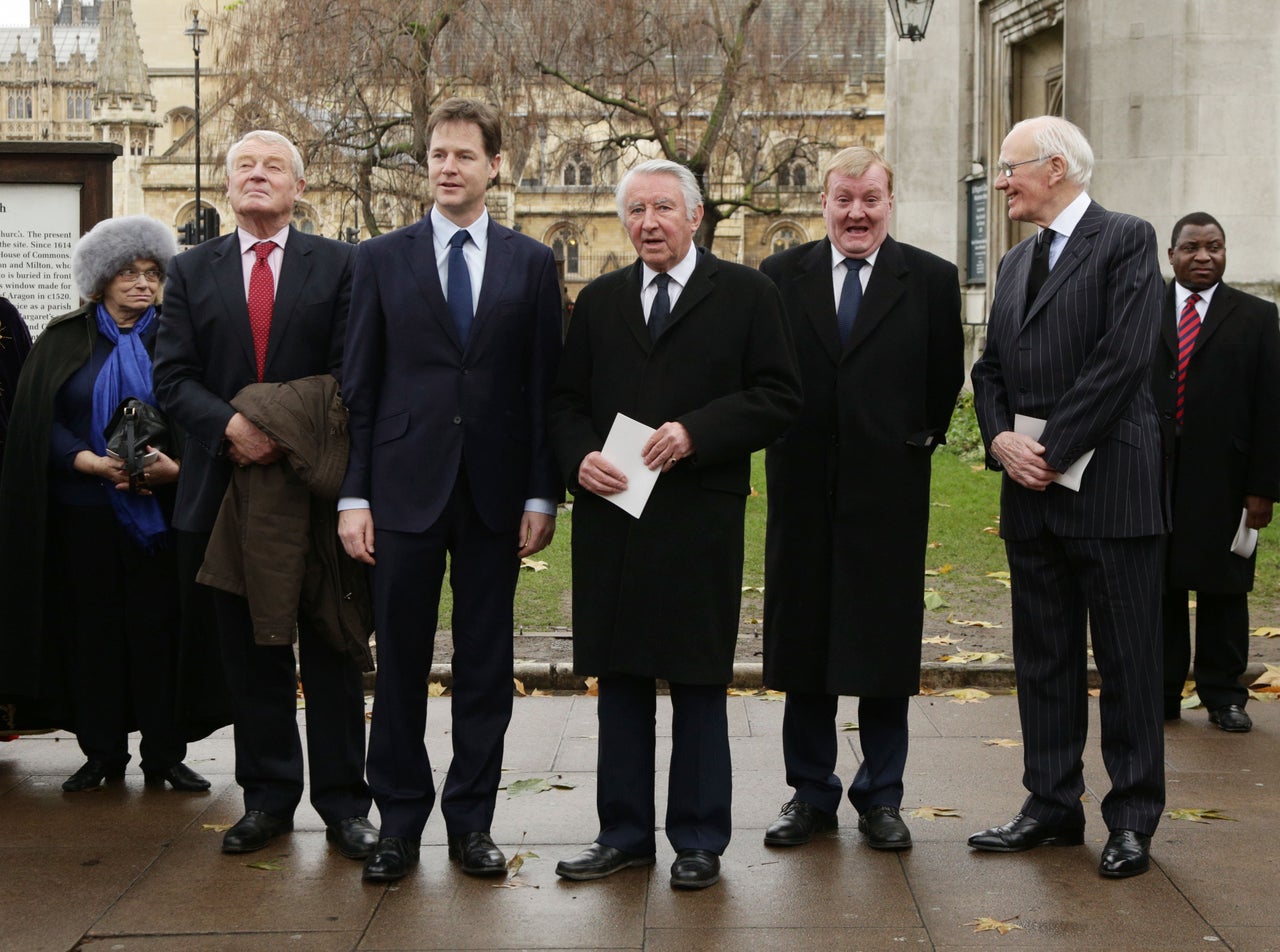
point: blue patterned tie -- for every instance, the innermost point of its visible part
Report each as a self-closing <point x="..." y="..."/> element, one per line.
<point x="850" y="298"/>
<point x="460" y="285"/>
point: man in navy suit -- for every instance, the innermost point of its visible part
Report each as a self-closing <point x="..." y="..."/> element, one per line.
<point x="1073" y="324"/>
<point x="267" y="303"/>
<point x="451" y="349"/>
<point x="1216" y="380"/>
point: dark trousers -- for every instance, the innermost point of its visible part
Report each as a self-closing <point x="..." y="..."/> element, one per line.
<point x="809" y="749"/>
<point x="1064" y="589"/>
<point x="262" y="681"/>
<point x="1222" y="647"/>
<point x="700" y="785"/>
<point x="406" y="601"/>
<point x="121" y="606"/>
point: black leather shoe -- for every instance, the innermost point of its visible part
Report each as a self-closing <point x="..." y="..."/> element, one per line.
<point x="391" y="859"/>
<point x="1126" y="854"/>
<point x="1232" y="719"/>
<point x="797" y="823"/>
<point x="695" y="869"/>
<point x="1172" y="708"/>
<point x="92" y="775"/>
<point x="1024" y="833"/>
<point x="598" y="861"/>
<point x="477" y="854"/>
<point x="354" y="837"/>
<point x="253" y="831"/>
<point x="884" y="828"/>
<point x="179" y="776"/>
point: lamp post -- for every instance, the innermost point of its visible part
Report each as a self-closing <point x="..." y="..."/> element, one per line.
<point x="911" y="18"/>
<point x="197" y="32"/>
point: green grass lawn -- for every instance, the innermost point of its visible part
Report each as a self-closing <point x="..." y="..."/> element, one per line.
<point x="964" y="547"/>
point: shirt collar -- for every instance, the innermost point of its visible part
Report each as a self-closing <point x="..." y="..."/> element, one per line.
<point x="680" y="274"/>
<point x="1180" y="295"/>
<point x="1070" y="216"/>
<point x="444" y="230"/>
<point x="247" y="240"/>
<point x="838" y="257"/>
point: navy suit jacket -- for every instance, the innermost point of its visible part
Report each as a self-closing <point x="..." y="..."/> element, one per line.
<point x="1079" y="357"/>
<point x="204" y="348"/>
<point x="421" y="403"/>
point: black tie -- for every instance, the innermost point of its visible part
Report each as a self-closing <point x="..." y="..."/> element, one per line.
<point x="850" y="298"/>
<point x="459" y="286"/>
<point x="1039" y="265"/>
<point x="660" y="313"/>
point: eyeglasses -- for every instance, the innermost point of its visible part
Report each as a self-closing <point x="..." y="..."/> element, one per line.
<point x="130" y="275"/>
<point x="1006" y="168"/>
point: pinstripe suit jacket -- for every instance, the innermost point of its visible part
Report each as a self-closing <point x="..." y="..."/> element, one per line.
<point x="1079" y="357"/>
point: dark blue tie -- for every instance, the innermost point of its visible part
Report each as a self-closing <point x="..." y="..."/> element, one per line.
<point x="459" y="285"/>
<point x="660" y="313"/>
<point x="850" y="298"/>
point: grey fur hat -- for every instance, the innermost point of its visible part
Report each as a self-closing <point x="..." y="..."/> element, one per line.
<point x="116" y="243"/>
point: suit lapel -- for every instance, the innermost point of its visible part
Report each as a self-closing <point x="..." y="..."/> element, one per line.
<point x="884" y="288"/>
<point x="632" y="310"/>
<point x="295" y="270"/>
<point x="1169" y="322"/>
<point x="498" y="259"/>
<point x="1077" y="250"/>
<point x="229" y="280"/>
<point x="419" y="251"/>
<point x="814" y="287"/>
<point x="701" y="283"/>
<point x="1220" y="308"/>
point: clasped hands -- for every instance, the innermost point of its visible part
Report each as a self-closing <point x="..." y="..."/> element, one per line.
<point x="669" y="444"/>
<point x="1023" y="459"/>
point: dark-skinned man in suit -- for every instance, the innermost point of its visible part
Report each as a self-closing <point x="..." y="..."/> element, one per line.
<point x="1216" y="379"/>
<point x="1073" y="324"/>
<point x="880" y="364"/>
<point x="451" y="350"/>
<point x="266" y="303"/>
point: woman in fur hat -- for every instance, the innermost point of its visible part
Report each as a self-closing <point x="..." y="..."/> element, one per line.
<point x="90" y="588"/>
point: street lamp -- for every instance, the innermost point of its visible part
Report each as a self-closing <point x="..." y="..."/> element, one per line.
<point x="911" y="18"/>
<point x="197" y="32"/>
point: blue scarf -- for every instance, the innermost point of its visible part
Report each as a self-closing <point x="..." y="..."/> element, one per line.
<point x="126" y="373"/>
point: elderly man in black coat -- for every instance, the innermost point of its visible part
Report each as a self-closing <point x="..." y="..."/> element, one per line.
<point x="877" y="332"/>
<point x="1216" y="379"/>
<point x="695" y="347"/>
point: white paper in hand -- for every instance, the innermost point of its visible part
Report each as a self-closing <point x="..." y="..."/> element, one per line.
<point x="1246" y="539"/>
<point x="623" y="447"/>
<point x="1033" y="427"/>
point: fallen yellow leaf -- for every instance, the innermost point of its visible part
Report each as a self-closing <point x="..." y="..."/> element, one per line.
<point x="216" y="827"/>
<point x="1196" y="815"/>
<point x="940" y="640"/>
<point x="1265" y="633"/>
<point x="990" y="530"/>
<point x="848" y="726"/>
<point x="1190" y="703"/>
<point x="970" y="657"/>
<point x="535" y="565"/>
<point x="934" y="813"/>
<point x="965" y="695"/>
<point x="972" y="624"/>
<point x="934" y="545"/>
<point x="1270" y="676"/>
<point x="1002" y="578"/>
<point x="268" y="864"/>
<point x="1002" y="742"/>
<point x="593" y="687"/>
<point x="987" y="924"/>
<point x="435" y="689"/>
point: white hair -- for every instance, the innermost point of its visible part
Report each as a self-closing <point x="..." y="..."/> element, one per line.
<point x="271" y="138"/>
<point x="688" y="184"/>
<point x="1054" y="135"/>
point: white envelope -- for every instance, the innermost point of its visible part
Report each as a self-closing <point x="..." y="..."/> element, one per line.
<point x="622" y="448"/>
<point x="1033" y="427"/>
<point x="1246" y="539"/>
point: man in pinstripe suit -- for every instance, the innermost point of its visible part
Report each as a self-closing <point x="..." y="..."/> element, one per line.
<point x="1074" y="320"/>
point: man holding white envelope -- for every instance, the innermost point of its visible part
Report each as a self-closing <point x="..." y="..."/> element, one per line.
<point x="694" y="348"/>
<point x="1216" y="379"/>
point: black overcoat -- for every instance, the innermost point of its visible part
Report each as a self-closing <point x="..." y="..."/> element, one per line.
<point x="1230" y="442"/>
<point x="848" y="483"/>
<point x="659" y="596"/>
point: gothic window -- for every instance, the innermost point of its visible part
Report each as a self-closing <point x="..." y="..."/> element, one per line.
<point x="577" y="171"/>
<point x="304" y="219"/>
<point x="784" y="237"/>
<point x="567" y="246"/>
<point x="27" y="114"/>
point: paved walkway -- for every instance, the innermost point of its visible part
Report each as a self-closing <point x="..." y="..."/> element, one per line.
<point x="126" y="868"/>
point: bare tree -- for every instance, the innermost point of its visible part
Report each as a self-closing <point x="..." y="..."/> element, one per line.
<point x="736" y="90"/>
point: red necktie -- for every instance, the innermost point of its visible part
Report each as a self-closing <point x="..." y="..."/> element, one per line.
<point x="262" y="300"/>
<point x="1188" y="328"/>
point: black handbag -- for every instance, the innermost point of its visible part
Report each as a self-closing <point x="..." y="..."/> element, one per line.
<point x="134" y="426"/>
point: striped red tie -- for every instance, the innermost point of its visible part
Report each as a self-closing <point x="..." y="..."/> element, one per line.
<point x="1188" y="328"/>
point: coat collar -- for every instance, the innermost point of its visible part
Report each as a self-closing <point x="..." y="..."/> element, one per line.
<point x="884" y="288"/>
<point x="1221" y="305"/>
<point x="701" y="283"/>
